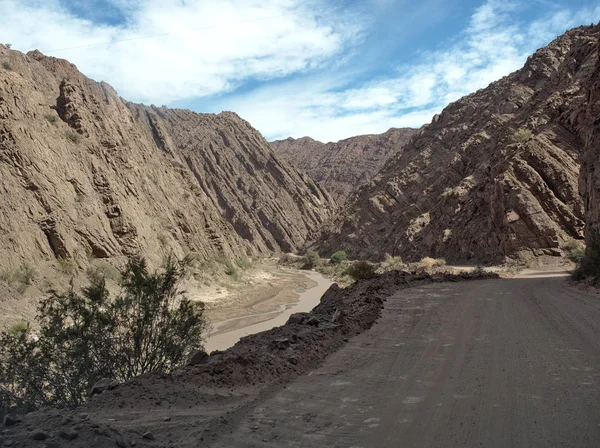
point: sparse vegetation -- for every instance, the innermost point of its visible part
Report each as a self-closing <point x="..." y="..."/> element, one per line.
<point x="521" y="136"/>
<point x="163" y="239"/>
<point x="588" y="266"/>
<point x="6" y="66"/>
<point x="73" y="136"/>
<point x="429" y="263"/>
<point x="67" y="266"/>
<point x="23" y="276"/>
<point x="102" y="270"/>
<point x="575" y="250"/>
<point x="448" y="192"/>
<point x="360" y="270"/>
<point x="232" y="271"/>
<point x="50" y="117"/>
<point x="17" y="328"/>
<point x="311" y="259"/>
<point x="244" y="263"/>
<point x="150" y="326"/>
<point x="338" y="257"/>
<point x="479" y="270"/>
<point x="391" y="263"/>
<point x="7" y="45"/>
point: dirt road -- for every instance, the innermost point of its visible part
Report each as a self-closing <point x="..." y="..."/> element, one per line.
<point x="495" y="363"/>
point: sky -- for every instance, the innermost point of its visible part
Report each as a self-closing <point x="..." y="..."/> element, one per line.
<point x="328" y="69"/>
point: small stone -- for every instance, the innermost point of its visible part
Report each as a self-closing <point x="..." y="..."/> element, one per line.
<point x="196" y="357"/>
<point x="39" y="435"/>
<point x="337" y="316"/>
<point x="313" y="320"/>
<point x="102" y="385"/>
<point x="148" y="435"/>
<point x="121" y="442"/>
<point x="11" y="420"/>
<point x="297" y="318"/>
<point x="167" y="419"/>
<point x="68" y="434"/>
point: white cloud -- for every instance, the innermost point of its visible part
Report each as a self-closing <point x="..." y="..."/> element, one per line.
<point x="207" y="48"/>
<point x="200" y="48"/>
<point x="493" y="45"/>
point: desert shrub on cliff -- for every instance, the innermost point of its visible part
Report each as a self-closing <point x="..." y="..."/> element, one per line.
<point x="521" y="136"/>
<point x="361" y="269"/>
<point x="588" y="266"/>
<point x="82" y="337"/>
<point x="23" y="276"/>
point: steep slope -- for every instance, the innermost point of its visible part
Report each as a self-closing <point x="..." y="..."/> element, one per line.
<point x="87" y="174"/>
<point x="473" y="185"/>
<point x="589" y="185"/>
<point x="343" y="166"/>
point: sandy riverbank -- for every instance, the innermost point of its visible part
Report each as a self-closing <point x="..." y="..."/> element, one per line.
<point x="266" y="301"/>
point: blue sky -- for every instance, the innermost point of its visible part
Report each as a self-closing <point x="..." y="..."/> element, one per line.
<point x="329" y="69"/>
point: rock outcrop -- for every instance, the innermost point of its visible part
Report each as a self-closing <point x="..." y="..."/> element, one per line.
<point x="494" y="175"/>
<point x="343" y="166"/>
<point x="86" y="174"/>
<point x="589" y="185"/>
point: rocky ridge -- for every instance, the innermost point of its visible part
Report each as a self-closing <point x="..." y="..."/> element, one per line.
<point x="495" y="175"/>
<point x="589" y="180"/>
<point x="343" y="166"/>
<point x="85" y="174"/>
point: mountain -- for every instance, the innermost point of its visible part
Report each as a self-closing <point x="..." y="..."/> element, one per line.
<point x="494" y="175"/>
<point x="343" y="166"/>
<point x="589" y="180"/>
<point x="85" y="174"/>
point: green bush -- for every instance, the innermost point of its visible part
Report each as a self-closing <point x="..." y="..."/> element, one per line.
<point x="311" y="259"/>
<point x="338" y="257"/>
<point x="51" y="118"/>
<point x="103" y="270"/>
<point x="575" y="250"/>
<point x="6" y="66"/>
<point x="588" y="266"/>
<point x="361" y="269"/>
<point x="67" y="266"/>
<point x="24" y="275"/>
<point x="150" y="326"/>
<point x="18" y="327"/>
<point x="521" y="135"/>
<point x="391" y="264"/>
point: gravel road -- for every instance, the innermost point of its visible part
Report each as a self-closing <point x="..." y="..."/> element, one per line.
<point x="494" y="363"/>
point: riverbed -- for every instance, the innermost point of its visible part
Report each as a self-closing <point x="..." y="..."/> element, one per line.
<point x="267" y="305"/>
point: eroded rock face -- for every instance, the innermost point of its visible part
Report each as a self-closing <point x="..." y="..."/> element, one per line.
<point x="346" y="165"/>
<point x="589" y="185"/>
<point x="474" y="185"/>
<point x="84" y="173"/>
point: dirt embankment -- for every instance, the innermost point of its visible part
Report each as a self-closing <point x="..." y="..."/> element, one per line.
<point x="194" y="404"/>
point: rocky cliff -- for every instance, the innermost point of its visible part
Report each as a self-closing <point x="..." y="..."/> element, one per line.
<point x="343" y="166"/>
<point x="494" y="175"/>
<point x="589" y="186"/>
<point x="87" y="174"/>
